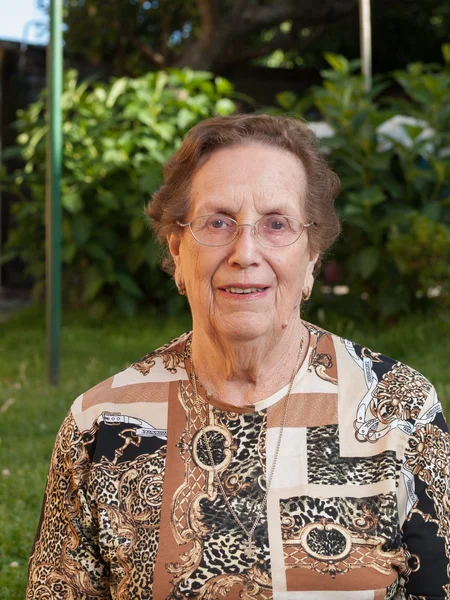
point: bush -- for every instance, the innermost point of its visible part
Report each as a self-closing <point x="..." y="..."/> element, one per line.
<point x="117" y="137"/>
<point x="394" y="252"/>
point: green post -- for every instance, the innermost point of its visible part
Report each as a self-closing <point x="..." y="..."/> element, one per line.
<point x="53" y="190"/>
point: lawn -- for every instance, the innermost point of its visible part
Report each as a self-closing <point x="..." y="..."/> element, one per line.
<point x="31" y="410"/>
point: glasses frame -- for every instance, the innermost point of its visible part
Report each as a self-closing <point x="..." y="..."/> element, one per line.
<point x="239" y="225"/>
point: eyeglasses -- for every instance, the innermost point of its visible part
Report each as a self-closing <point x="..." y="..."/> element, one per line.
<point x="270" y="230"/>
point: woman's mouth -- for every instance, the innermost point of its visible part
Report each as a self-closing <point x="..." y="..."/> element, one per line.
<point x="239" y="290"/>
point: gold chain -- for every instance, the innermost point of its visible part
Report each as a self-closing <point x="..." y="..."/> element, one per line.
<point x="250" y="550"/>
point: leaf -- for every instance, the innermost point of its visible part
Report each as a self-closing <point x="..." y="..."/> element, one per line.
<point x="367" y="197"/>
<point x="93" y="281"/>
<point x="115" y="156"/>
<point x="137" y="228"/>
<point x="72" y="201"/>
<point x="135" y="256"/>
<point x="68" y="252"/>
<point x="286" y="99"/>
<point x="338" y="62"/>
<point x="97" y="252"/>
<point x="225" y="106"/>
<point x="359" y="119"/>
<point x="165" y="130"/>
<point x="161" y="80"/>
<point x="36" y="138"/>
<point x="145" y="117"/>
<point x="446" y="53"/>
<point x="198" y="76"/>
<point x="117" y="89"/>
<point x="5" y="257"/>
<point x="223" y="86"/>
<point x="151" y="179"/>
<point x="185" y="118"/>
<point x="125" y="302"/>
<point x="81" y="227"/>
<point x="432" y="210"/>
<point x="392" y="299"/>
<point x="11" y="152"/>
<point x="367" y="261"/>
<point x="129" y="285"/>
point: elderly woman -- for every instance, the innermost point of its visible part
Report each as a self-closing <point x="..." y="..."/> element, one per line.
<point x="257" y="456"/>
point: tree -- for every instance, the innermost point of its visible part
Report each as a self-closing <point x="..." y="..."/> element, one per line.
<point x="134" y="36"/>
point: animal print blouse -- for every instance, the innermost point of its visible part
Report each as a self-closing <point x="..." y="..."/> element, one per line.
<point x="358" y="507"/>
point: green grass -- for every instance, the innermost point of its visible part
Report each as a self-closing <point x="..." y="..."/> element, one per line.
<point x="93" y="351"/>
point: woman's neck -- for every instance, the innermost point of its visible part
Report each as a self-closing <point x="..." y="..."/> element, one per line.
<point x="242" y="373"/>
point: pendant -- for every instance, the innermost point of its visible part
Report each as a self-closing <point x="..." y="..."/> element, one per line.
<point x="250" y="548"/>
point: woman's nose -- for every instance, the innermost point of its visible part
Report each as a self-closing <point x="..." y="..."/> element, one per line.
<point x="245" y="248"/>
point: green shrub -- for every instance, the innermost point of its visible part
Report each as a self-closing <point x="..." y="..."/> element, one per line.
<point x="117" y="137"/>
<point x="394" y="252"/>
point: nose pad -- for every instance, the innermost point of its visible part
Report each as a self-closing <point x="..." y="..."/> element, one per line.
<point x="251" y="225"/>
<point x="245" y="247"/>
<point x="239" y="235"/>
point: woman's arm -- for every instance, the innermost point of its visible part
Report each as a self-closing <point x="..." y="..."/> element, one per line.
<point x="426" y="531"/>
<point x="66" y="561"/>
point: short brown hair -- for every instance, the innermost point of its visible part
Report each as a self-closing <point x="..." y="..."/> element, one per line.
<point x="171" y="202"/>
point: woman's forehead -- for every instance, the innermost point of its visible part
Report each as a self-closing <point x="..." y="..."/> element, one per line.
<point x="241" y="199"/>
<point x="268" y="177"/>
<point x="251" y="163"/>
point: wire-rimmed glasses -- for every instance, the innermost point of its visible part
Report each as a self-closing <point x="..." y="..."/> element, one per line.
<point x="271" y="230"/>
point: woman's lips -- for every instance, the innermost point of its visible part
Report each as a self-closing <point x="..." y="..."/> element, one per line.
<point x="240" y="292"/>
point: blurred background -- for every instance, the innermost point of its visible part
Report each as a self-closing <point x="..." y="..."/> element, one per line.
<point x="137" y="75"/>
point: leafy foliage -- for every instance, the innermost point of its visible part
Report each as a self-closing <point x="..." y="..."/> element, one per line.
<point x="133" y="36"/>
<point x="395" y="171"/>
<point x="392" y="153"/>
<point x="117" y="137"/>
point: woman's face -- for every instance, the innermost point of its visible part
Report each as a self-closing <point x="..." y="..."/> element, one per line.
<point x="245" y="182"/>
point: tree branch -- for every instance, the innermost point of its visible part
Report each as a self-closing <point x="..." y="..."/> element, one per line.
<point x="165" y="26"/>
<point x="239" y="6"/>
<point x="228" y="40"/>
<point x="310" y="11"/>
<point x="153" y="56"/>
<point x="208" y="20"/>
<point x="280" y="42"/>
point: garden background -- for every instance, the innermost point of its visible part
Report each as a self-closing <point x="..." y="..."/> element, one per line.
<point x="152" y="75"/>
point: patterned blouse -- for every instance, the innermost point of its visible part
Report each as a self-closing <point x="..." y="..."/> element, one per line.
<point x="358" y="507"/>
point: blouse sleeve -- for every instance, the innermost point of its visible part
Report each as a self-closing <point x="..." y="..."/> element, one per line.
<point x="426" y="531"/>
<point x="66" y="561"/>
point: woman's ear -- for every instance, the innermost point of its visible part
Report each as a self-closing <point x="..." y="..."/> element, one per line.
<point x="173" y="242"/>
<point x="309" y="274"/>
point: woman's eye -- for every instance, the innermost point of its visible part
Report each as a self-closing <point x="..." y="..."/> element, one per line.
<point x="276" y="224"/>
<point x="218" y="223"/>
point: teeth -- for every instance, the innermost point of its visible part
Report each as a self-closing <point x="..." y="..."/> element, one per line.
<point x="235" y="290"/>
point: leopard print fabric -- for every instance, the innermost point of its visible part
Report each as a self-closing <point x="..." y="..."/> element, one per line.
<point x="133" y="510"/>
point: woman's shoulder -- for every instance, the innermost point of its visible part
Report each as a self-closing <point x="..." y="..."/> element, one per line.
<point x="134" y="390"/>
<point x="377" y="392"/>
<point x="363" y="360"/>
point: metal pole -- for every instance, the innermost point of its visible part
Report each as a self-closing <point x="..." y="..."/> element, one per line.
<point x="2" y="54"/>
<point x="53" y="190"/>
<point x="365" y="39"/>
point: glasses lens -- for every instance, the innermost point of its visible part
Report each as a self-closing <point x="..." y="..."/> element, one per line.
<point x="278" y="230"/>
<point x="214" y="230"/>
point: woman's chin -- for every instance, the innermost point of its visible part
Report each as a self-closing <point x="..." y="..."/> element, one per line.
<point x="246" y="329"/>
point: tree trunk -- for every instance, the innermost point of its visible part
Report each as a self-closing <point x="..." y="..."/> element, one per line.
<point x="225" y="40"/>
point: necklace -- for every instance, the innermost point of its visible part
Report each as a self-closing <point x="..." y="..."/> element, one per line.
<point x="250" y="546"/>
